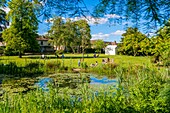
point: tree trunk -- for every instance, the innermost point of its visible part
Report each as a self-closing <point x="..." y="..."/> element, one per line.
<point x="83" y="54"/>
<point x="20" y="55"/>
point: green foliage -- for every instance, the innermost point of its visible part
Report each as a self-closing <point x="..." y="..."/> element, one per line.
<point x="139" y="89"/>
<point x="135" y="10"/>
<point x="59" y="52"/>
<point x="84" y="65"/>
<point x="29" y="70"/>
<point x="70" y="34"/>
<point x="22" y="33"/>
<point x="134" y="43"/>
<point x="98" y="45"/>
<point x="161" y="43"/>
<point x="52" y="65"/>
<point x="1" y="50"/>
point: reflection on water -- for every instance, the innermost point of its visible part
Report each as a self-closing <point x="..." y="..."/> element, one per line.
<point x="42" y="83"/>
<point x="93" y="81"/>
<point x="104" y="80"/>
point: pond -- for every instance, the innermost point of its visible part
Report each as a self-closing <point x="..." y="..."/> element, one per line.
<point x="71" y="81"/>
<point x="93" y="82"/>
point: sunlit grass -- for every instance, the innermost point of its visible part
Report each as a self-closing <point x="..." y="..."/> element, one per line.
<point x="140" y="89"/>
<point x="72" y="59"/>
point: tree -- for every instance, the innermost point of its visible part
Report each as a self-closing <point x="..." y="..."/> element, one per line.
<point x="56" y="32"/>
<point x="161" y="49"/>
<point x="70" y="34"/>
<point x="155" y="12"/>
<point x="131" y="42"/>
<point x="84" y="34"/>
<point x="22" y="33"/>
<point x="99" y="44"/>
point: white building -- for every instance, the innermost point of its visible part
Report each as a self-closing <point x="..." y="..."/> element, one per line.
<point x="111" y="50"/>
<point x="45" y="46"/>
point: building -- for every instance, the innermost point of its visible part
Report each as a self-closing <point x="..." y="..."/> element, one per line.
<point x="45" y="46"/>
<point x="2" y="44"/>
<point x="111" y="48"/>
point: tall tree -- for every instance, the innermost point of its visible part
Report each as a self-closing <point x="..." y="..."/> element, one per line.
<point x="161" y="49"/>
<point x="84" y="33"/>
<point x="56" y="32"/>
<point x="70" y="34"/>
<point x="75" y="45"/>
<point x="131" y="42"/>
<point x="22" y="33"/>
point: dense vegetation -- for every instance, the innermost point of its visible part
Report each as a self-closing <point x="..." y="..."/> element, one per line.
<point x="135" y="43"/>
<point x="70" y="35"/>
<point x="140" y="89"/>
<point x="21" y="34"/>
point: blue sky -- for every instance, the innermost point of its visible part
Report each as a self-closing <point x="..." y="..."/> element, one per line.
<point x="103" y="30"/>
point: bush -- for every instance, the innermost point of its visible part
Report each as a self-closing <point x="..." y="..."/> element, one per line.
<point x="84" y="65"/>
<point x="1" y="50"/>
<point x="51" y="65"/>
<point x="34" y="65"/>
<point x="10" y="52"/>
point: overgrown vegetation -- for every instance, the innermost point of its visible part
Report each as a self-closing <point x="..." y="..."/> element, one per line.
<point x="140" y="89"/>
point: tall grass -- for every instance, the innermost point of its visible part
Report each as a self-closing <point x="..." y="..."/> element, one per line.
<point x="140" y="89"/>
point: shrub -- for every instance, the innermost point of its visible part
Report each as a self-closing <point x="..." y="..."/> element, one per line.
<point x="84" y="65"/>
<point x="51" y="64"/>
<point x="34" y="65"/>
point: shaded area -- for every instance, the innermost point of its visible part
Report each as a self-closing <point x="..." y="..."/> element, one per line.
<point x="60" y="57"/>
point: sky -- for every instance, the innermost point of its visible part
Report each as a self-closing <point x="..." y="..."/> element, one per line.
<point x="103" y="30"/>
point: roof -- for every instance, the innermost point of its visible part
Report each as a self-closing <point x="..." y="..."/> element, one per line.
<point x="42" y="39"/>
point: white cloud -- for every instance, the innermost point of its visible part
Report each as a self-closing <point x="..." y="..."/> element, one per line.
<point x="45" y="33"/>
<point x="106" y="36"/>
<point x="100" y="36"/>
<point x="112" y="16"/>
<point x="91" y="20"/>
<point x="118" y="32"/>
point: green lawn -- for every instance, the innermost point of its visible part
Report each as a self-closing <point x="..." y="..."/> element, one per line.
<point x="72" y="59"/>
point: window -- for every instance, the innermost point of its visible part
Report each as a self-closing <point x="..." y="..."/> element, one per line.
<point x="41" y="42"/>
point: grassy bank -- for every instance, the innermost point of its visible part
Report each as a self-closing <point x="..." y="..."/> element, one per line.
<point x="73" y="59"/>
<point x="140" y="89"/>
<point x="51" y="64"/>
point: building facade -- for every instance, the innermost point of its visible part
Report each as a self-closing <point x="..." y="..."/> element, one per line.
<point x="45" y="46"/>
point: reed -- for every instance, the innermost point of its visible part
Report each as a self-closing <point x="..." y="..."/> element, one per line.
<point x="140" y="89"/>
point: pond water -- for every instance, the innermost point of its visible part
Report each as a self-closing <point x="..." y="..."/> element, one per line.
<point x="104" y="80"/>
<point x="94" y="81"/>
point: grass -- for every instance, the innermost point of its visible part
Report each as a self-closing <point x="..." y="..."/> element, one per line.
<point x="142" y="87"/>
<point x="140" y="90"/>
<point x="72" y="59"/>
